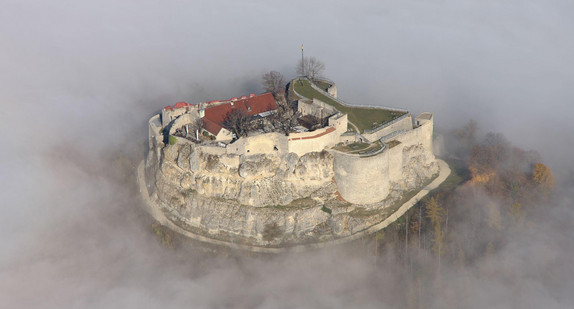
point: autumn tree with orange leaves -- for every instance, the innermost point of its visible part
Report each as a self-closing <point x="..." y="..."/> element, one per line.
<point x="542" y="176"/>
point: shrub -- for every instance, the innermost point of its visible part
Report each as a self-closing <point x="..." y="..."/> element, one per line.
<point x="327" y="210"/>
<point x="172" y="140"/>
<point x="271" y="231"/>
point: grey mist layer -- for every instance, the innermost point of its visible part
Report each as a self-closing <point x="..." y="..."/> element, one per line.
<point x="80" y="79"/>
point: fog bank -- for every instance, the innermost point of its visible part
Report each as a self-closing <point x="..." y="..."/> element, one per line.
<point x="82" y="78"/>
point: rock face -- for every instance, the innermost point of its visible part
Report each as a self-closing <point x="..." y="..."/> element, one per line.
<point x="417" y="168"/>
<point x="257" y="180"/>
<point x="265" y="199"/>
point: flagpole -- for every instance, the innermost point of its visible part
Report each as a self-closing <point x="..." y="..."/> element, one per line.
<point x="302" y="61"/>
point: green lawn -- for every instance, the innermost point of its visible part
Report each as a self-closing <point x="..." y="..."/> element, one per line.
<point x="362" y="117"/>
<point x="359" y="148"/>
<point x="322" y="85"/>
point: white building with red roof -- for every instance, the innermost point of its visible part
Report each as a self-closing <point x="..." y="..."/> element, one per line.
<point x="253" y="105"/>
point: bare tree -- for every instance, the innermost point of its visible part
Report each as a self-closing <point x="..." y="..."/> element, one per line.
<point x="311" y="67"/>
<point x="237" y="121"/>
<point x="273" y="82"/>
<point x="312" y="122"/>
<point x="195" y="127"/>
<point x="285" y="119"/>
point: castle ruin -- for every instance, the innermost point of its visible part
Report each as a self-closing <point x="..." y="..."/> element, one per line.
<point x="336" y="165"/>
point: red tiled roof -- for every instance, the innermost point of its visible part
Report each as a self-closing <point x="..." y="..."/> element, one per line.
<point x="257" y="104"/>
<point x="179" y="105"/>
<point x="211" y="126"/>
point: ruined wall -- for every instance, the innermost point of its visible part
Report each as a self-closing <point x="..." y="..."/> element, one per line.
<point x="315" y="107"/>
<point x="420" y="135"/>
<point x="339" y="122"/>
<point x="412" y="161"/>
<point x="332" y="91"/>
<point x="252" y="169"/>
<point x="183" y="120"/>
<point x="168" y="115"/>
<point x="362" y="180"/>
<point x="155" y="135"/>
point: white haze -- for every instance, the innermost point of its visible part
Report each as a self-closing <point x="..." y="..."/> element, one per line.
<point x="80" y="79"/>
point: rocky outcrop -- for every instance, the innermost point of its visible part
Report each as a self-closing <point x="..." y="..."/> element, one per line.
<point x="417" y="167"/>
<point x="269" y="199"/>
<point x="257" y="180"/>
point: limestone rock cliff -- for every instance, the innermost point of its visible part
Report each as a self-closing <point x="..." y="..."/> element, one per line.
<point x="238" y="198"/>
<point x="257" y="180"/>
<point x="417" y="167"/>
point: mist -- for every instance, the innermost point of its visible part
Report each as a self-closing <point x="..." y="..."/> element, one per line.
<point x="81" y="79"/>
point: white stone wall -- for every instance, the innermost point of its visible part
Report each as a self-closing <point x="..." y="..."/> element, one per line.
<point x="406" y="123"/>
<point x="316" y="141"/>
<point x="365" y="180"/>
<point x="182" y="120"/>
<point x="332" y="91"/>
<point x="267" y="143"/>
<point x="362" y="180"/>
<point x="420" y="135"/>
<point x="224" y="135"/>
<point x="155" y="134"/>
<point x="339" y="122"/>
<point x="168" y="115"/>
<point x="396" y="162"/>
<point x="316" y="108"/>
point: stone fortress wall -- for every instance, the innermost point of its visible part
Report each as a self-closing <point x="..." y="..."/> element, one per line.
<point x="360" y="179"/>
<point x="357" y="175"/>
<point x="404" y="123"/>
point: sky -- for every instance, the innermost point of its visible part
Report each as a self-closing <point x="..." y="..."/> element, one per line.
<point x="81" y="78"/>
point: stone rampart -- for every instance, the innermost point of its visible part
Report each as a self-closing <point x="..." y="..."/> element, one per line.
<point x="421" y="135"/>
<point x="356" y="175"/>
<point x="316" y="141"/>
<point x="168" y="115"/>
<point x="332" y="90"/>
<point x="155" y="134"/>
<point x="183" y="120"/>
<point x="316" y="108"/>
<point x="404" y="122"/>
<point x="362" y="180"/>
<point x="266" y="143"/>
<point x="339" y="122"/>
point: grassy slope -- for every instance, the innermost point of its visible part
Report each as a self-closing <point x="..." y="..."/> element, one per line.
<point x="363" y="118"/>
